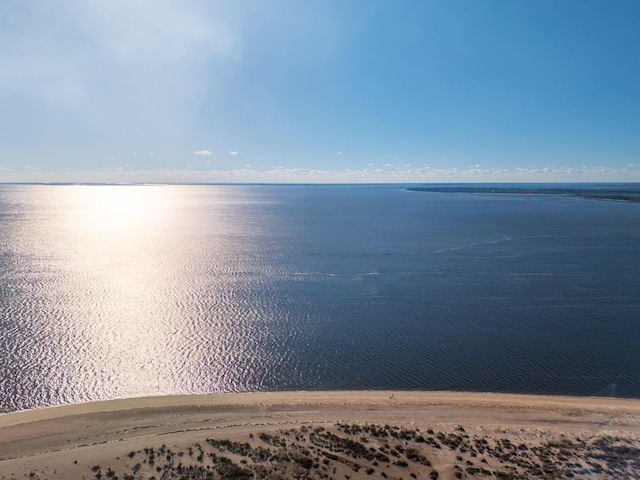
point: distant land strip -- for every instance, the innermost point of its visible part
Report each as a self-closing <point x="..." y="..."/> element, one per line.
<point x="630" y="194"/>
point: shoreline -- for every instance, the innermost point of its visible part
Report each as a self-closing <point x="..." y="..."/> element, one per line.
<point x="321" y="398"/>
<point x="68" y="441"/>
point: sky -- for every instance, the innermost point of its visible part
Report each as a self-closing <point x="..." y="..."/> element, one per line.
<point x="319" y="91"/>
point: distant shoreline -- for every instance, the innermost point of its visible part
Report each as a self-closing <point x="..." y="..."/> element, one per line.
<point x="613" y="192"/>
<point x="630" y="195"/>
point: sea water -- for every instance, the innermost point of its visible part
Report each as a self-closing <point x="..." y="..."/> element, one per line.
<point x="121" y="291"/>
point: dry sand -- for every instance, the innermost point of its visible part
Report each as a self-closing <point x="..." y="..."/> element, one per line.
<point x="326" y="435"/>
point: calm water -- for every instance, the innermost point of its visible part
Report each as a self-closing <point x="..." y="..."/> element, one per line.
<point x="112" y="291"/>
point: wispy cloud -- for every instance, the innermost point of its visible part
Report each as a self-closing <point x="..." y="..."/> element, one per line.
<point x="144" y="63"/>
<point x="233" y="153"/>
<point x="203" y="152"/>
<point x="280" y="174"/>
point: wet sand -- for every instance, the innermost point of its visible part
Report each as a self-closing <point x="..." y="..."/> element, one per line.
<point x="326" y="435"/>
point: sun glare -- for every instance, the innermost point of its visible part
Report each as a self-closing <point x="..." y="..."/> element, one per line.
<point x="120" y="207"/>
<point x="113" y="236"/>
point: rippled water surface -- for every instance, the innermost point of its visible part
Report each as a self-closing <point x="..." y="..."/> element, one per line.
<point x="117" y="291"/>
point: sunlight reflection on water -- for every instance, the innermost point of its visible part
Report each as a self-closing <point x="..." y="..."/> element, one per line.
<point x="117" y="300"/>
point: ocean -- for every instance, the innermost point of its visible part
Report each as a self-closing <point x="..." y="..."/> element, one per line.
<point x="126" y="291"/>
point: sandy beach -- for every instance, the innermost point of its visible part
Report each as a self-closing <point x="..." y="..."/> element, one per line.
<point x="340" y="435"/>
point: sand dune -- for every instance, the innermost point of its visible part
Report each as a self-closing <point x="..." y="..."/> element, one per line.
<point x="326" y="435"/>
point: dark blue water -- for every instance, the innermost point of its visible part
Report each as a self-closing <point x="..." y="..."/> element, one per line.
<point x="123" y="291"/>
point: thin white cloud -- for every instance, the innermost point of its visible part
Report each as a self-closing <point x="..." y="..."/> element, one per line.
<point x="233" y="153"/>
<point x="279" y="174"/>
<point x="203" y="152"/>
<point x="144" y="63"/>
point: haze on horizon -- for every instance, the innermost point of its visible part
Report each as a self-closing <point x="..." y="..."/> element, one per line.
<point x="319" y="91"/>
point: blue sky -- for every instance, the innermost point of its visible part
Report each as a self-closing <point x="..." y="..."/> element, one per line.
<point x="319" y="91"/>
